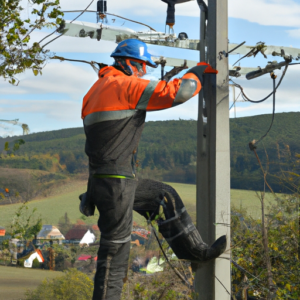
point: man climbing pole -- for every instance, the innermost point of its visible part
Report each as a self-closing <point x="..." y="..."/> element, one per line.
<point x="113" y="113"/>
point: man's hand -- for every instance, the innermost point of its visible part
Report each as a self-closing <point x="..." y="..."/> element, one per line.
<point x="175" y="71"/>
<point x="201" y="69"/>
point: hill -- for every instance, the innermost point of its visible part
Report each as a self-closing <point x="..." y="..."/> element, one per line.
<point x="52" y="208"/>
<point x="167" y="150"/>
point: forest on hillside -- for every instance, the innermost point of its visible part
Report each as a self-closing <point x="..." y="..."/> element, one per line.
<point x="168" y="150"/>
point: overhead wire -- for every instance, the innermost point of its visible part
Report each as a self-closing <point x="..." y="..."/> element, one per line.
<point x="92" y="63"/>
<point x="63" y="33"/>
<point x="235" y="100"/>
<point x="246" y="98"/>
<point x="82" y="12"/>
<point x="94" y="11"/>
<point x="273" y="112"/>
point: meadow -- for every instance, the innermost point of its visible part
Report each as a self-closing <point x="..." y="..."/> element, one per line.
<point x="66" y="200"/>
<point x="14" y="281"/>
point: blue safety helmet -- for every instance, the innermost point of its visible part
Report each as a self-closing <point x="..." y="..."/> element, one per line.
<point x="136" y="49"/>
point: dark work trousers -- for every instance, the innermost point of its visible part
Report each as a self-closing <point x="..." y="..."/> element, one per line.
<point x="114" y="199"/>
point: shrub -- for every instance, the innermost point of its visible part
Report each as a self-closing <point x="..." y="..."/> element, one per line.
<point x="35" y="263"/>
<point x="73" y="285"/>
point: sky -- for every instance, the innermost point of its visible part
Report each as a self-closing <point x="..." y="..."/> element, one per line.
<point x="53" y="101"/>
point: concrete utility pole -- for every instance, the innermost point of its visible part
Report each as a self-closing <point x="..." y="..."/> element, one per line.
<point x="213" y="279"/>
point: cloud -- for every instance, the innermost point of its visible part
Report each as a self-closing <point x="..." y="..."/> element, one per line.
<point x="294" y="33"/>
<point x="59" y="78"/>
<point x="58" y="110"/>
<point x="267" y="12"/>
<point x="264" y="12"/>
<point x="73" y="44"/>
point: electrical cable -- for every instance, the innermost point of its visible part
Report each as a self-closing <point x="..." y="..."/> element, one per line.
<point x="62" y="33"/>
<point x="251" y="51"/>
<point x="273" y="112"/>
<point x="164" y="254"/>
<point x="52" y="40"/>
<point x="94" y="11"/>
<point x="82" y="12"/>
<point x="47" y="36"/>
<point x="92" y="63"/>
<point x="238" y="46"/>
<point x="235" y="100"/>
<point x="267" y="97"/>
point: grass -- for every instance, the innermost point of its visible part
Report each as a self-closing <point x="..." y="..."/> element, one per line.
<point x="54" y="207"/>
<point x="15" y="281"/>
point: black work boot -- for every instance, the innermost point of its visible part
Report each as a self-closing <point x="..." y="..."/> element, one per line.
<point x="186" y="242"/>
<point x="178" y="228"/>
<point x="86" y="207"/>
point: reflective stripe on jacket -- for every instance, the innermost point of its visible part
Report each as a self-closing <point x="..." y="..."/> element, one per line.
<point x="116" y="92"/>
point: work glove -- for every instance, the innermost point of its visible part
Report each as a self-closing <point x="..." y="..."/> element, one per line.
<point x="201" y="69"/>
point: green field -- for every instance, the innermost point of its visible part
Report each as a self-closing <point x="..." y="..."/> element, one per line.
<point x="14" y="281"/>
<point x="54" y="207"/>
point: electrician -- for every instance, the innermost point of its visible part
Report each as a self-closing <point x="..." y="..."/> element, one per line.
<point x="113" y="113"/>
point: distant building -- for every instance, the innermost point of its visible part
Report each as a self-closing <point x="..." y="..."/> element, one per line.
<point x="76" y="233"/>
<point x="50" y="232"/>
<point x="88" y="238"/>
<point x="2" y="231"/>
<point x="138" y="238"/>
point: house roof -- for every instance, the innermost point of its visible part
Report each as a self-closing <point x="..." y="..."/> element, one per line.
<point x="2" y="231"/>
<point x="50" y="232"/>
<point x="76" y="233"/>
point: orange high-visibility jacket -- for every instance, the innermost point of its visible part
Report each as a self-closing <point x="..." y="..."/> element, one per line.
<point x="115" y="91"/>
<point x="114" y="112"/>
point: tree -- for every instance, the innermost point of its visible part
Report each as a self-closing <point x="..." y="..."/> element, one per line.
<point x="25" y="224"/>
<point x="64" y="224"/>
<point x="265" y="252"/>
<point x="73" y="285"/>
<point x="16" y="146"/>
<point x="17" y="54"/>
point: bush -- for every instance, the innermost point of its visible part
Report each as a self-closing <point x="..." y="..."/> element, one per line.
<point x="35" y="263"/>
<point x="73" y="285"/>
<point x="21" y="262"/>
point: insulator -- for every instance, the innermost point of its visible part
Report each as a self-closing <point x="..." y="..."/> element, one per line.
<point x="101" y="6"/>
<point x="171" y="10"/>
<point x="170" y="14"/>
